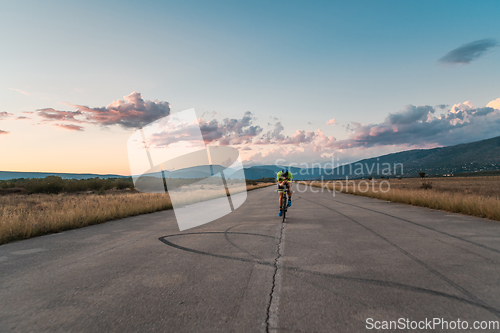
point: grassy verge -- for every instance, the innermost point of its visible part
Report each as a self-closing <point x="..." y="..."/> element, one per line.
<point x="451" y="200"/>
<point x="25" y="216"/>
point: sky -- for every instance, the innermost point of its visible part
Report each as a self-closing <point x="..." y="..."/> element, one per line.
<point x="294" y="81"/>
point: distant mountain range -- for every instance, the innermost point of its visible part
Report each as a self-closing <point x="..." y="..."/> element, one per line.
<point x="464" y="158"/>
<point x="201" y="171"/>
<point x="6" y="175"/>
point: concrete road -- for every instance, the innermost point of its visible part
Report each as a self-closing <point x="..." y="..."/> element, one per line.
<point x="338" y="261"/>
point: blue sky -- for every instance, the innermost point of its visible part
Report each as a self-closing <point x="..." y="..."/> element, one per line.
<point x="296" y="63"/>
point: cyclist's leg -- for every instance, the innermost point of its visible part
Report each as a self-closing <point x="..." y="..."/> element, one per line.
<point x="280" y="191"/>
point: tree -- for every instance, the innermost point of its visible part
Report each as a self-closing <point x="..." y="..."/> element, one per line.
<point x="421" y="174"/>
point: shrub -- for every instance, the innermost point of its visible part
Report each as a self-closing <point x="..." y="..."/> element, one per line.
<point x="49" y="185"/>
<point x="426" y="185"/>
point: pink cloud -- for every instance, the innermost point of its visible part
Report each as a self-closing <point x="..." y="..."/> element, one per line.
<point x="416" y="126"/>
<point x="4" y="115"/>
<point x="331" y="122"/>
<point x="50" y="114"/>
<point x="299" y="137"/>
<point x="230" y="131"/>
<point x="131" y="112"/>
<point x="69" y="127"/>
<point x="19" y="91"/>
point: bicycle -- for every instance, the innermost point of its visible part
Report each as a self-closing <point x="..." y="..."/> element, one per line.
<point x="284" y="205"/>
<point x="284" y="202"/>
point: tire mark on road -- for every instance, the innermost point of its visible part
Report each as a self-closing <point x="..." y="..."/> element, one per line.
<point x="380" y="283"/>
<point x="409" y="255"/>
<point x="423" y="226"/>
<point x="165" y="241"/>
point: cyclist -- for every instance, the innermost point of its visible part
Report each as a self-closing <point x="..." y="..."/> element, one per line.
<point x="284" y="181"/>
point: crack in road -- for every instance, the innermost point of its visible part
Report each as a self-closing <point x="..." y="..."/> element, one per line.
<point x="273" y="305"/>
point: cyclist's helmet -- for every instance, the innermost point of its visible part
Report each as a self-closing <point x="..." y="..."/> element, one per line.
<point x="284" y="172"/>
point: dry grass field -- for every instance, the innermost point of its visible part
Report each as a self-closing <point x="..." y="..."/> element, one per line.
<point x="24" y="216"/>
<point x="477" y="196"/>
<point x="483" y="186"/>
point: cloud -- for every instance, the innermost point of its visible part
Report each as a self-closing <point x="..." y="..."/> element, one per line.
<point x="131" y="112"/>
<point x="412" y="127"/>
<point x="172" y="134"/>
<point x="324" y="142"/>
<point x="19" y="91"/>
<point x="300" y="137"/>
<point x="69" y="127"/>
<point x="243" y="132"/>
<point x="50" y="114"/>
<point x="3" y="132"/>
<point x="461" y="107"/>
<point x="410" y="115"/>
<point x="271" y="136"/>
<point x="331" y="122"/>
<point x="4" y="115"/>
<point x="417" y="126"/>
<point x="230" y="131"/>
<point x="315" y="140"/>
<point x="222" y="132"/>
<point x="495" y="104"/>
<point x="469" y="52"/>
<point x="211" y="114"/>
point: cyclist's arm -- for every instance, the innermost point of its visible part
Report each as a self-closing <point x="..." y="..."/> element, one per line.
<point x="290" y="178"/>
